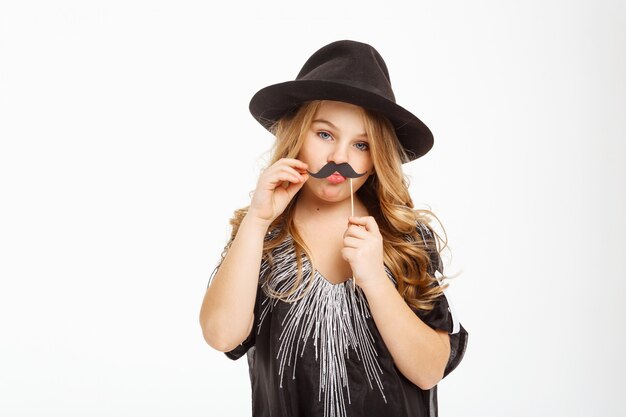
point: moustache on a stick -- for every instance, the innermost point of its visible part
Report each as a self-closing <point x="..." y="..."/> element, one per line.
<point x="347" y="171"/>
<point x="330" y="168"/>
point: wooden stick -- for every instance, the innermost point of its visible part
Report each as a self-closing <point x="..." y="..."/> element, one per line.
<point x="352" y="208"/>
<point x="351" y="198"/>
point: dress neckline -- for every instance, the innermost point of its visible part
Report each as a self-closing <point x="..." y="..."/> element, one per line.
<point x="317" y="272"/>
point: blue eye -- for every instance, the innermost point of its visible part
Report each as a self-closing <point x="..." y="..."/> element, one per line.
<point x="324" y="135"/>
<point x="362" y="146"/>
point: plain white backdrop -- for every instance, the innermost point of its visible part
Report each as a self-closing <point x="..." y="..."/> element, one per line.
<point x="126" y="144"/>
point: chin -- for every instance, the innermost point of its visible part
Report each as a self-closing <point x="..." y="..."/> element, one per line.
<point x="332" y="197"/>
<point x="329" y="193"/>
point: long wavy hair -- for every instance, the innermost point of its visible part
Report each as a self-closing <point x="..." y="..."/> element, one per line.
<point x="386" y="196"/>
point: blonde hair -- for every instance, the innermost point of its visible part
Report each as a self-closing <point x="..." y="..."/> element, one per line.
<point x="387" y="199"/>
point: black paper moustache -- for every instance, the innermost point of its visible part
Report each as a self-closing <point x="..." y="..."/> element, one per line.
<point x="330" y="168"/>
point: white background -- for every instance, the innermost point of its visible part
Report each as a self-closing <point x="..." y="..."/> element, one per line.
<point x="126" y="144"/>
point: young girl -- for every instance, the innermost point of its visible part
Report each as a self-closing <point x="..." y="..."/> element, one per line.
<point x="328" y="281"/>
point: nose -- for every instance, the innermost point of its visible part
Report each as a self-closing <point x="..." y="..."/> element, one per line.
<point x="338" y="155"/>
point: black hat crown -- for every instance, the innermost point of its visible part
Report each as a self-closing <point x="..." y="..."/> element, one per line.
<point x="352" y="63"/>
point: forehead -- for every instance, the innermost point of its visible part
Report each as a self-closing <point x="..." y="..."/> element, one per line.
<point x="340" y="113"/>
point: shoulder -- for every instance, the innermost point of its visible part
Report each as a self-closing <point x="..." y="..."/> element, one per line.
<point x="430" y="241"/>
<point x="424" y="230"/>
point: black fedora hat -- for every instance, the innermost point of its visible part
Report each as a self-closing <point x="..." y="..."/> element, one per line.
<point x="348" y="71"/>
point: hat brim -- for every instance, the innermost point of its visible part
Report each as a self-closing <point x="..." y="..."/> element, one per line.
<point x="271" y="103"/>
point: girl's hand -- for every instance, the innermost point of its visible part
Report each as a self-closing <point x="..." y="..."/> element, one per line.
<point x="276" y="186"/>
<point x="363" y="250"/>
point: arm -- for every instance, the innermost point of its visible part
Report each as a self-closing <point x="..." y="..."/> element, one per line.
<point x="227" y="311"/>
<point x="226" y="314"/>
<point x="419" y="352"/>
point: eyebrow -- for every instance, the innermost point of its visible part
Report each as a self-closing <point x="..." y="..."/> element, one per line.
<point x="335" y="127"/>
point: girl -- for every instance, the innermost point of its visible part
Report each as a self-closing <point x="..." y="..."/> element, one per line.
<point x="328" y="281"/>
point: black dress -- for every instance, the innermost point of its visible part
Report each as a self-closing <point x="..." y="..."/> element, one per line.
<point x="321" y="355"/>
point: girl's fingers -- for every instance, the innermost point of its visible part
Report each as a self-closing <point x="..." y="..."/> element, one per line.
<point x="295" y="173"/>
<point x="351" y="242"/>
<point x="366" y="221"/>
<point x="347" y="253"/>
<point x="281" y="174"/>
<point x="276" y="186"/>
<point x="356" y="231"/>
<point x="293" y="188"/>
<point x="362" y="228"/>
<point x="296" y="163"/>
<point x="289" y="177"/>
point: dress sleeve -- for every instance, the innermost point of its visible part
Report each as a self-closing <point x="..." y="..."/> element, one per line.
<point x="442" y="316"/>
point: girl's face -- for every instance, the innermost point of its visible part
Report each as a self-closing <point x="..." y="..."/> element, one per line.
<point x="337" y="135"/>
